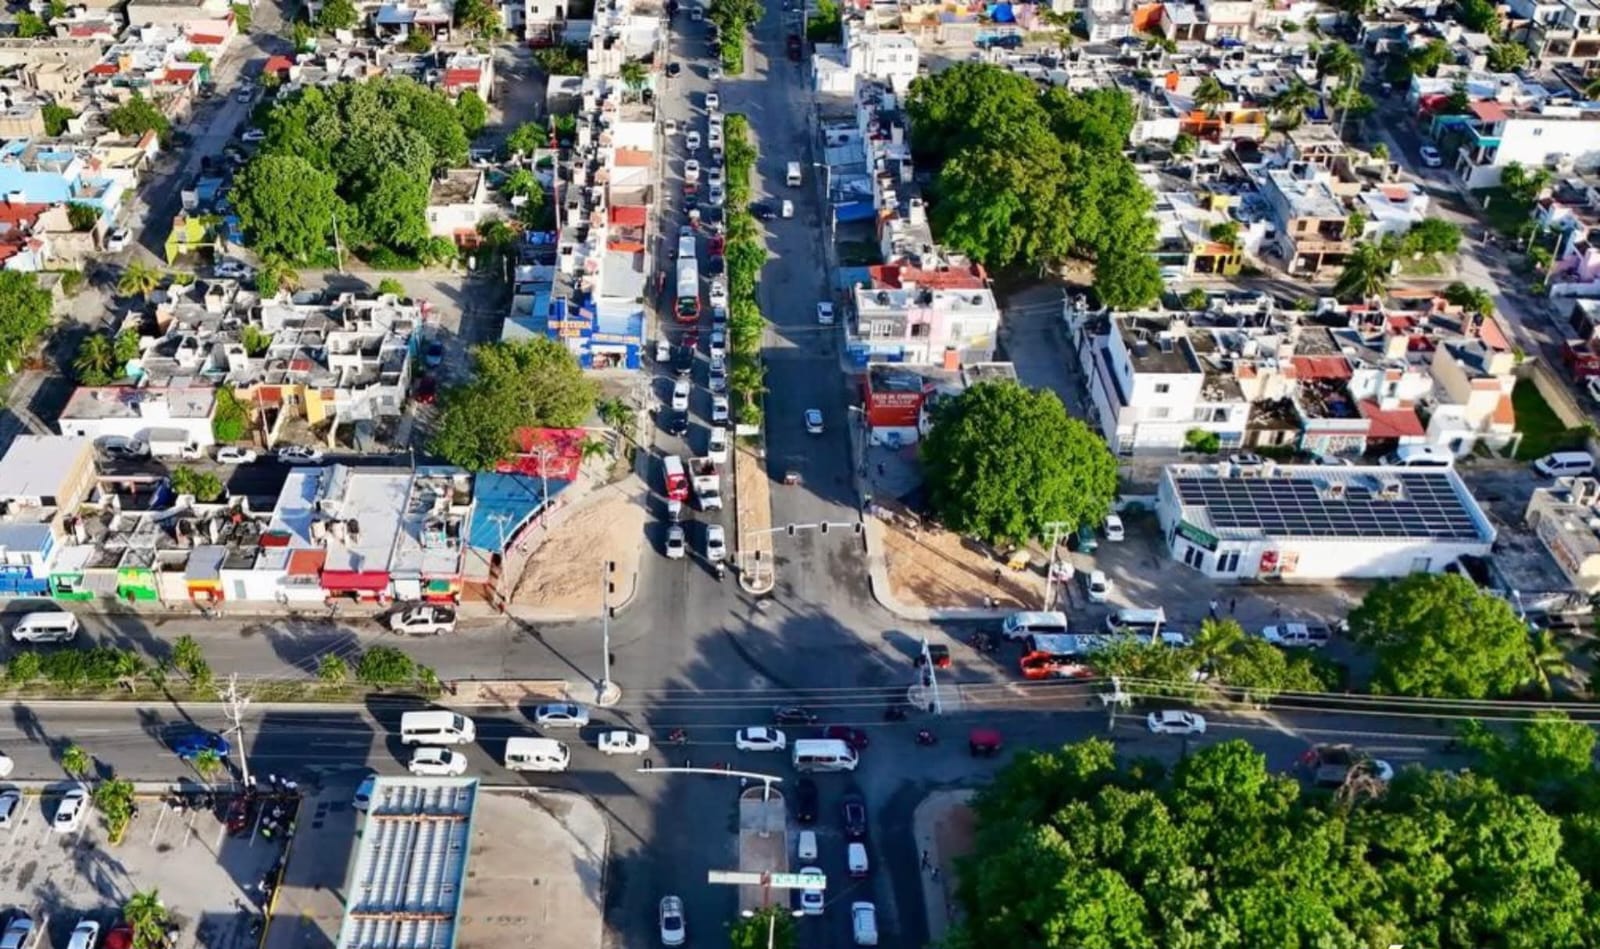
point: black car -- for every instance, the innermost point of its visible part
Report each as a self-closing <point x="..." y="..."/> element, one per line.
<point x="763" y="212"/>
<point x="805" y="801"/>
<point x="673" y="69"/>
<point x="854" y="810"/>
<point x="683" y="360"/>
<point x="794" y="715"/>
<point x="714" y="267"/>
<point x="675" y="423"/>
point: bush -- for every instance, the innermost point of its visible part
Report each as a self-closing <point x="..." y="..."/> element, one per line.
<point x="24" y="668"/>
<point x="383" y="258"/>
<point x="385" y="666"/>
<point x="1202" y="441"/>
<point x="72" y="282"/>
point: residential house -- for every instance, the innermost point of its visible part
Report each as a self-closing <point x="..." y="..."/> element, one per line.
<point x="1392" y="208"/>
<point x="43" y="479"/>
<point x="1563" y="137"/>
<point x="463" y="71"/>
<point x="931" y="310"/>
<point x="179" y="415"/>
<point x="1563" y="32"/>
<point x="1312" y="223"/>
<point x="49" y="173"/>
<point x="460" y="201"/>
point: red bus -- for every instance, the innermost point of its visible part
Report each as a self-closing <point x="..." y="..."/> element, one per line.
<point x="1053" y="657"/>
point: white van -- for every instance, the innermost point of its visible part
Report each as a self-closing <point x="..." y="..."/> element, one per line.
<point x="52" y="627"/>
<point x="536" y="754"/>
<point x="1144" y="623"/>
<point x="436" y="728"/>
<point x="824" y="754"/>
<point x="864" y="923"/>
<point x="1419" y="456"/>
<point x="1561" y="464"/>
<point x="805" y="848"/>
<point x="1024" y="624"/>
<point x="855" y="857"/>
<point x="793" y="176"/>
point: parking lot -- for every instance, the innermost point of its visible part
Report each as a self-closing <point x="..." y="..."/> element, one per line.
<point x="210" y="882"/>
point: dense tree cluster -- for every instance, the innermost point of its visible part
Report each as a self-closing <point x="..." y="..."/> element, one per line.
<point x="1439" y="635"/>
<point x="359" y="154"/>
<point x="744" y="254"/>
<point x="24" y="315"/>
<point x="513" y="385"/>
<point x="1003" y="461"/>
<point x="1220" y="656"/>
<point x="1076" y="851"/>
<point x="733" y="18"/>
<point x="1032" y="179"/>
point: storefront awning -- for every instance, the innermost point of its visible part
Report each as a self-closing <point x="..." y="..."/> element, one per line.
<point x="355" y="581"/>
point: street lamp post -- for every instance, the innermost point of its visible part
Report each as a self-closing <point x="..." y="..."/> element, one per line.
<point x="605" y="688"/>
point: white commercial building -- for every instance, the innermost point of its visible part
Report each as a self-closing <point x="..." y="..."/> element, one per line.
<point x="1310" y="522"/>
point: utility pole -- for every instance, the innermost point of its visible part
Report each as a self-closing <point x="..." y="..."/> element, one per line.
<point x="606" y="573"/>
<point x="930" y="679"/>
<point x="234" y="705"/>
<point x="545" y="454"/>
<point x="1054" y="530"/>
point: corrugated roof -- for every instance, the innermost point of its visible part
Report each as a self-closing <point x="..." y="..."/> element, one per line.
<point x="405" y="884"/>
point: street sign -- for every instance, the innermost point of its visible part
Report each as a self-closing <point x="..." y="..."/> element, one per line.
<point x="798" y="881"/>
<point x="778" y="881"/>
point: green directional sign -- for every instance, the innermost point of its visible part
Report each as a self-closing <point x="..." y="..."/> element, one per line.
<point x="798" y="881"/>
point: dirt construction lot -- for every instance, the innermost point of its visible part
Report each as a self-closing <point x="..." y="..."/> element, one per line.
<point x="208" y="881"/>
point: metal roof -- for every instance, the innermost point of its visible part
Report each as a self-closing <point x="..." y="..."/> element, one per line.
<point x="405" y="884"/>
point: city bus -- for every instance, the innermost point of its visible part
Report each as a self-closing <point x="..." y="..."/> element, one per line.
<point x="1054" y="657"/>
<point x="688" y="310"/>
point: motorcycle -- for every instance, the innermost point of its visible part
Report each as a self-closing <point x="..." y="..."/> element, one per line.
<point x="926" y="737"/>
<point x="678" y="736"/>
<point x="894" y="713"/>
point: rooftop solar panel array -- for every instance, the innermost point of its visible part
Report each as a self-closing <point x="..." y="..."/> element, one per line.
<point x="1427" y="506"/>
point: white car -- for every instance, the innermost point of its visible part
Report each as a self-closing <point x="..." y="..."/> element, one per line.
<point x="714" y="136"/>
<point x="680" y="395"/>
<point x="716" y="543"/>
<point x="118" y="239"/>
<point x="719" y="343"/>
<point x="233" y="455"/>
<point x="824" y="314"/>
<point x="814" y="421"/>
<point x="663" y="350"/>
<point x="10" y="801"/>
<point x="719" y="410"/>
<point x="1430" y="156"/>
<point x="623" y="742"/>
<point x="672" y="925"/>
<point x="864" y="923"/>
<point x="714" y="173"/>
<point x="713" y="102"/>
<point x="1099" y="587"/>
<point x="1113" y="528"/>
<point x="714" y="73"/>
<point x="669" y="127"/>
<point x="716" y="196"/>
<point x="719" y="379"/>
<point x="562" y="715"/>
<point x="437" y="762"/>
<point x="811" y="900"/>
<point x="253" y="135"/>
<point x="85" y="935"/>
<point x="677" y="548"/>
<point x="424" y="620"/>
<point x="1174" y="722"/>
<point x="719" y="293"/>
<point x="1593" y="386"/>
<point x="69" y="813"/>
<point x="759" y="738"/>
<point x="300" y="455"/>
<point x="691" y="170"/>
<point x="691" y="141"/>
<point x="233" y="270"/>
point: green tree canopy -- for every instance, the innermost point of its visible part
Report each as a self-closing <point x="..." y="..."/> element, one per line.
<point x="1074" y="850"/>
<point x="337" y="15"/>
<point x="480" y="17"/>
<point x="512" y="386"/>
<point x="24" y="313"/>
<point x="472" y="112"/>
<point x="1126" y="279"/>
<point x="136" y="117"/>
<point x="526" y="138"/>
<point x="288" y="206"/>
<point x="1002" y="461"/>
<point x="1439" y="635"/>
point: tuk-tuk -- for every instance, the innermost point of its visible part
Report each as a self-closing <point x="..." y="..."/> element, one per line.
<point x="940" y="656"/>
<point x="984" y="742"/>
<point x="788" y="209"/>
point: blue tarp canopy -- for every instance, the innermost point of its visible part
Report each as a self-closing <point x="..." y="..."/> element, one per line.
<point x="502" y="504"/>
<point x="1001" y="13"/>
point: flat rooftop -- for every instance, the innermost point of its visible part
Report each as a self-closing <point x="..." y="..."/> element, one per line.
<point x="1313" y="501"/>
<point x="129" y="402"/>
<point x="36" y="465"/>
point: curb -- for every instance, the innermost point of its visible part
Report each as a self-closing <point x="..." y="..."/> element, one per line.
<point x="878" y="580"/>
<point x="936" y="897"/>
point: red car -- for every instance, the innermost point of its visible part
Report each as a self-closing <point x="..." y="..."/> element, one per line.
<point x="854" y="737"/>
<point x="427" y="390"/>
<point x="715" y="244"/>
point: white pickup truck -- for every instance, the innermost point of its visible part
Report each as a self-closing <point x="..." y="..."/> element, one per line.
<point x="707" y="483"/>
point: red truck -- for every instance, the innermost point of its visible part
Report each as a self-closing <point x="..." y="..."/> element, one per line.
<point x="794" y="46"/>
<point x="676" y="482"/>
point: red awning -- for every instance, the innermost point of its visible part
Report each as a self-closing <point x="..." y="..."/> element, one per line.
<point x="355" y="581"/>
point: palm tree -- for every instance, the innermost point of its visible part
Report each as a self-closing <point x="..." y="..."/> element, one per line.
<point x="1366" y="273"/>
<point x="138" y="279"/>
<point x="618" y="416"/>
<point x="126" y="346"/>
<point x="75" y="761"/>
<point x="94" y="360"/>
<point x="1210" y="95"/>
<point x="748" y="378"/>
<point x="1215" y="638"/>
<point x="147" y="917"/>
<point x="634" y="75"/>
<point x="1546" y="661"/>
<point x="207" y="763"/>
<point x="592" y="448"/>
<point x="1291" y="104"/>
<point x="1344" y="64"/>
<point x="276" y="274"/>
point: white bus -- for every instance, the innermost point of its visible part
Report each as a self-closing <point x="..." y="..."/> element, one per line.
<point x="688" y="309"/>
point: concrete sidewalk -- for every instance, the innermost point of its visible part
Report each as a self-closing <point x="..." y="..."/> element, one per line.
<point x="942" y="828"/>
